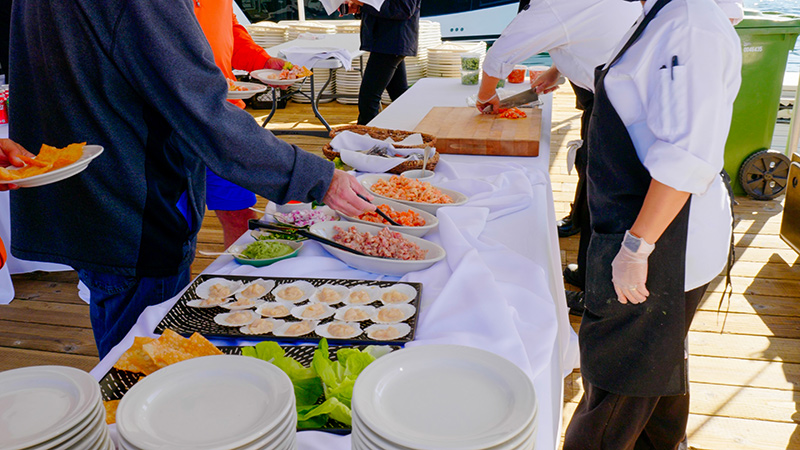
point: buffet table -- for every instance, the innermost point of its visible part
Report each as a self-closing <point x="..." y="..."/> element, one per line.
<point x="499" y="287"/>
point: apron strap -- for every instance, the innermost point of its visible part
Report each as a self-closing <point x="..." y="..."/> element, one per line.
<point x="639" y="30"/>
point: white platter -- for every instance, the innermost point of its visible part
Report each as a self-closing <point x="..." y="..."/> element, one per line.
<point x="211" y="402"/>
<point x="374" y="264"/>
<point x="262" y="75"/>
<point x="431" y="222"/>
<point x="444" y="397"/>
<point x="251" y="90"/>
<point x="90" y="152"/>
<point x="40" y="403"/>
<point x="458" y="198"/>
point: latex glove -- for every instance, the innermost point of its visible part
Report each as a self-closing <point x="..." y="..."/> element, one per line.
<point x="629" y="269"/>
<point x="10" y="153"/>
<point x="489" y="106"/>
<point x="342" y="195"/>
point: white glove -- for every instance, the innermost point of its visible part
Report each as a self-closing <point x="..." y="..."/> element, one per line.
<point x="629" y="269"/>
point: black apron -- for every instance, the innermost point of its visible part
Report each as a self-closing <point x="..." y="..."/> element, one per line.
<point x="629" y="349"/>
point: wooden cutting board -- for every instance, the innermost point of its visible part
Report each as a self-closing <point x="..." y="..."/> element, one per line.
<point x="466" y="131"/>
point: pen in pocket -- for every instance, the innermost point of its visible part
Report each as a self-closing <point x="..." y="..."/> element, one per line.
<point x="672" y="67"/>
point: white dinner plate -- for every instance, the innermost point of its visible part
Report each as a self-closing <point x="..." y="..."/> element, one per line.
<point x="76" y="433"/>
<point x="251" y="90"/>
<point x="431" y="222"/>
<point x="374" y="264"/>
<point x="90" y="152"/>
<point x="263" y="75"/>
<point x="40" y="403"/>
<point x="211" y="402"/>
<point x="458" y="198"/>
<point x="444" y="397"/>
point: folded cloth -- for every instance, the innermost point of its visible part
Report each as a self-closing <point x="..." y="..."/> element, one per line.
<point x="332" y="5"/>
<point x="308" y="56"/>
<point x="352" y="148"/>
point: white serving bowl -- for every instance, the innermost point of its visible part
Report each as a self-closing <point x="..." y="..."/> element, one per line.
<point x="431" y="222"/>
<point x="418" y="174"/>
<point x="374" y="264"/>
<point x="458" y="198"/>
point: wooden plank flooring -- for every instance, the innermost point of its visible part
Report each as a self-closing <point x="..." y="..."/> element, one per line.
<point x="744" y="361"/>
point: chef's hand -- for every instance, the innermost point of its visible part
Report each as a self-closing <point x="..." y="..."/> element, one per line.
<point x="9" y="156"/>
<point x="487" y="101"/>
<point x="629" y="269"/>
<point x="342" y="197"/>
<point x="547" y="81"/>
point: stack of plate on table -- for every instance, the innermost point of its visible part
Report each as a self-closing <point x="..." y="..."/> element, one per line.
<point x="444" y="60"/>
<point x="343" y="26"/>
<point x="320" y="77"/>
<point x="268" y="34"/>
<point x="348" y="82"/>
<point x="297" y="27"/>
<point x="52" y="407"/>
<point x="212" y="402"/>
<point x="443" y="397"/>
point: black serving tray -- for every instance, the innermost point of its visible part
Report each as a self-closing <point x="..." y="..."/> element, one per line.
<point x="115" y="383"/>
<point x="185" y="320"/>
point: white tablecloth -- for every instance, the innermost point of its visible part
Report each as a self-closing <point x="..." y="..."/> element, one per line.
<point x="345" y="41"/>
<point x="14" y="265"/>
<point x="497" y="289"/>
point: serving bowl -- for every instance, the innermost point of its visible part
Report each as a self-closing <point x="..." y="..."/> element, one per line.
<point x="431" y="222"/>
<point x="376" y="264"/>
<point x="458" y="198"/>
<point x="239" y="248"/>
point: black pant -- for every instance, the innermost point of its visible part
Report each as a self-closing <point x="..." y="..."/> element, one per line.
<point x="584" y="100"/>
<point x="608" y="421"/>
<point x="383" y="71"/>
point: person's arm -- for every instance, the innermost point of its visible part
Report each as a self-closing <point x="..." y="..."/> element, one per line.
<point x="161" y="49"/>
<point x="249" y="56"/>
<point x="10" y="153"/>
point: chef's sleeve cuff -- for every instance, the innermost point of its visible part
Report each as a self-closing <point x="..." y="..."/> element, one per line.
<point x="496" y="68"/>
<point x="679" y="169"/>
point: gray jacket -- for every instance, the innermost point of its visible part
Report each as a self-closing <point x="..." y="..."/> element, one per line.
<point x="138" y="78"/>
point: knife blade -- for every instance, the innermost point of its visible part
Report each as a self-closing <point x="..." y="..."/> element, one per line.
<point x="523" y="98"/>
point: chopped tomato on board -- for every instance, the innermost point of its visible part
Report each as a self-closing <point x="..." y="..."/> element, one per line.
<point x="512" y="113"/>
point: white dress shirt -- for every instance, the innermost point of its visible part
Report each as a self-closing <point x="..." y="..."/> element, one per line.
<point x="674" y="91"/>
<point x="578" y="34"/>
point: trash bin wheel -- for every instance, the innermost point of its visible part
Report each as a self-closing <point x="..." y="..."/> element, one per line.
<point x="764" y="174"/>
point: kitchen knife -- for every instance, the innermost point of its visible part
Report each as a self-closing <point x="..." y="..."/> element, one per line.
<point x="523" y="98"/>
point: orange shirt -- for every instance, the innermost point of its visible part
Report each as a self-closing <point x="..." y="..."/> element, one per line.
<point x="3" y="255"/>
<point x="231" y="43"/>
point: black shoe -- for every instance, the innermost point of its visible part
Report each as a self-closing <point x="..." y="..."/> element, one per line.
<point x="566" y="227"/>
<point x="571" y="276"/>
<point x="575" y="302"/>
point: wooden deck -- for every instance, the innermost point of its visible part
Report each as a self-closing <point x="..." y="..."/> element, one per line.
<point x="744" y="363"/>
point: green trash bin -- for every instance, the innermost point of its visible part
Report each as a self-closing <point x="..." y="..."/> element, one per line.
<point x="767" y="38"/>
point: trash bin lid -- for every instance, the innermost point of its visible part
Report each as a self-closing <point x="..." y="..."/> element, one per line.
<point x="757" y="19"/>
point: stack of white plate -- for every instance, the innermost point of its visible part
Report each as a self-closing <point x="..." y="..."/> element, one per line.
<point x="348" y="82"/>
<point x="443" y="397"/>
<point x="297" y="27"/>
<point x="52" y="407"/>
<point x="212" y="402"/>
<point x="430" y="35"/>
<point x="320" y="77"/>
<point x="268" y="34"/>
<point x="343" y="26"/>
<point x="444" y="60"/>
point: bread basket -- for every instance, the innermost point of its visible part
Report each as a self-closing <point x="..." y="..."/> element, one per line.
<point x="383" y="133"/>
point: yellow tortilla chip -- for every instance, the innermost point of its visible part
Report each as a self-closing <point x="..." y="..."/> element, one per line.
<point x="135" y="359"/>
<point x="200" y="346"/>
<point x="172" y="347"/>
<point x="60" y="157"/>
<point x="111" y="411"/>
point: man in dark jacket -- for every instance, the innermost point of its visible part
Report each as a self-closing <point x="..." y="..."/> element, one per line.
<point x="139" y="79"/>
<point x="389" y="35"/>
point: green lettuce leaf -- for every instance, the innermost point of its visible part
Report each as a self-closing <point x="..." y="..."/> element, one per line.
<point x="307" y="385"/>
<point x="331" y="408"/>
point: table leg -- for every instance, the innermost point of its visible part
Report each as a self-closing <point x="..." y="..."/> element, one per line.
<point x="274" y="107"/>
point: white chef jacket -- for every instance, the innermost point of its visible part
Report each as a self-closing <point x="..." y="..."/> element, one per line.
<point x="678" y="117"/>
<point x="578" y="34"/>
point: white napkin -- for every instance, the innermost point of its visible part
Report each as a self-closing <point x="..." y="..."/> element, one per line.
<point x="351" y="147"/>
<point x="332" y="5"/>
<point x="308" y="56"/>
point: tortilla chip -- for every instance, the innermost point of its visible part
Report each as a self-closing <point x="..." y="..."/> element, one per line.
<point x="200" y="346"/>
<point x="33" y="161"/>
<point x="172" y="347"/>
<point x="135" y="359"/>
<point x="49" y="158"/>
<point x="111" y="411"/>
<point x="63" y="156"/>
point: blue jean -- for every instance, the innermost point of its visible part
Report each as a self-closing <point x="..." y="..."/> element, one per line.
<point x="117" y="301"/>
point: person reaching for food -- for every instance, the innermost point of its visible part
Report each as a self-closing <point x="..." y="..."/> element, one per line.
<point x="10" y="153"/>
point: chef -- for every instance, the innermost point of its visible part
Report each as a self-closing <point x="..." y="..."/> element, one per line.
<point x="661" y="220"/>
<point x="579" y="35"/>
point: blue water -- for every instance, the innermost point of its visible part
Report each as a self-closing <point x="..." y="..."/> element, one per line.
<point x="784" y="6"/>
